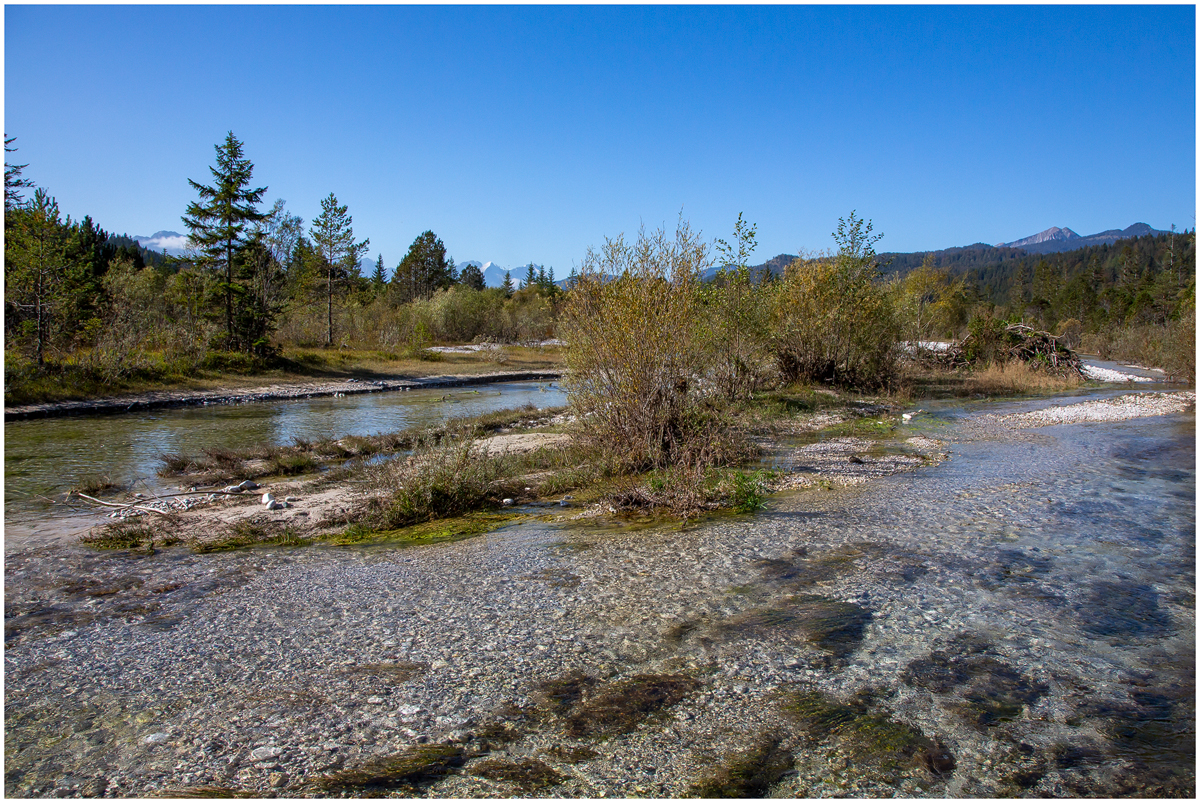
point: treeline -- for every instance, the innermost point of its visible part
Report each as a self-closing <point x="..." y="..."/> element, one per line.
<point x="256" y="280"/>
<point x="1134" y="299"/>
<point x="1138" y="280"/>
<point x="955" y="260"/>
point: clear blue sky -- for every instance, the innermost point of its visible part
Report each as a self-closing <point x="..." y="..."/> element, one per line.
<point x="527" y="133"/>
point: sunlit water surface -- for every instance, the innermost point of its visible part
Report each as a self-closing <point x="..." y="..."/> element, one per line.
<point x="45" y="457"/>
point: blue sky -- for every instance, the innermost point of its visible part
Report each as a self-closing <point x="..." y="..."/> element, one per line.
<point x="528" y="133"/>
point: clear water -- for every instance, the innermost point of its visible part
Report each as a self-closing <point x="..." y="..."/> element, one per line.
<point x="44" y="457"/>
<point x="1029" y="603"/>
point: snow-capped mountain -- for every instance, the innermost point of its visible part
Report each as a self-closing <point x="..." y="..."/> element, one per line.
<point x="493" y="274"/>
<point x="170" y="242"/>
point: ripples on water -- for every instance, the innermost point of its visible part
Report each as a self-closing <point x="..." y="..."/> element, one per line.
<point x="1023" y="615"/>
<point x="1060" y="583"/>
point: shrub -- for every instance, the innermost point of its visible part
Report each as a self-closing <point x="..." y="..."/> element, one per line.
<point x="832" y="320"/>
<point x="985" y="341"/>
<point x="1170" y="346"/>
<point x="1071" y="331"/>
<point x="436" y="481"/>
<point x="636" y="350"/>
<point x="739" y="318"/>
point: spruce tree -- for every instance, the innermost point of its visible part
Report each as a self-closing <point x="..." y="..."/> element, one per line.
<point x="217" y="222"/>
<point x="35" y="267"/>
<point x="471" y="276"/>
<point x="507" y="287"/>
<point x="530" y="277"/>
<point x="424" y="269"/>
<point x="379" y="278"/>
<point x="13" y="183"/>
<point x="333" y="235"/>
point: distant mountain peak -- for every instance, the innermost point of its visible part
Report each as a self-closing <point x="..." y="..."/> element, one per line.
<point x="1055" y="239"/>
<point x="1049" y="235"/>
<point x="169" y="242"/>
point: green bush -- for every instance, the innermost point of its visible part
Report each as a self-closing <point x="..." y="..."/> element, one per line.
<point x="637" y="352"/>
<point x="986" y="340"/>
<point x="437" y="481"/>
<point x="833" y="322"/>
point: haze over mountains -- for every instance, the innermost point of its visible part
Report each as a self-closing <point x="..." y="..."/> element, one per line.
<point x="169" y="242"/>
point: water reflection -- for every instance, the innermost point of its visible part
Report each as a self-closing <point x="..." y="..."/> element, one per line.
<point x="43" y="457"/>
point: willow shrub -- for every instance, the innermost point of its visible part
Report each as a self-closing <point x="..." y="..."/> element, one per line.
<point x="637" y="350"/>
<point x="833" y="321"/>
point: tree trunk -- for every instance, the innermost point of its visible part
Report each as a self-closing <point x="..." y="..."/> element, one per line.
<point x="229" y="293"/>
<point x="329" y="308"/>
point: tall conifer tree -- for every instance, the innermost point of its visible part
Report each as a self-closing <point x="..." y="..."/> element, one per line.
<point x="217" y="222"/>
<point x="424" y="269"/>
<point x="379" y="277"/>
<point x="333" y="235"/>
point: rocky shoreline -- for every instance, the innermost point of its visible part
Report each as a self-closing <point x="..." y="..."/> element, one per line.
<point x="275" y="392"/>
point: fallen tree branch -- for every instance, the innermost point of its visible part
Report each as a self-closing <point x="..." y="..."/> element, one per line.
<point x="124" y="506"/>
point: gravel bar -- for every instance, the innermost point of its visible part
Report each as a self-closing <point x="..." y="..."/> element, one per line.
<point x="1120" y="408"/>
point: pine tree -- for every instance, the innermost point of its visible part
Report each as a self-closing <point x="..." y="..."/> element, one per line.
<point x="379" y="277"/>
<point x="471" y="276"/>
<point x="13" y="183"/>
<point x="507" y="287"/>
<point x="35" y="266"/>
<point x="333" y="235"/>
<point x="530" y="277"/>
<point x="217" y="222"/>
<point x="424" y="269"/>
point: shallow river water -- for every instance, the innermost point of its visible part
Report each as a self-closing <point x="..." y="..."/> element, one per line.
<point x="1016" y="621"/>
<point x="44" y="457"/>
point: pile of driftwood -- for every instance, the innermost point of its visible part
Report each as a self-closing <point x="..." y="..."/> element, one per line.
<point x="1015" y="341"/>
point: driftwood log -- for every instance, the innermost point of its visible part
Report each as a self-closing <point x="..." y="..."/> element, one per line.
<point x="1015" y="341"/>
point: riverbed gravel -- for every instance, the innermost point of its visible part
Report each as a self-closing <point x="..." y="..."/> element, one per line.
<point x="1120" y="408"/>
<point x="821" y="644"/>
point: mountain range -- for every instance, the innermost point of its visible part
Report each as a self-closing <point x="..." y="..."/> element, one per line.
<point x="1054" y="239"/>
<point x="169" y="242"/>
<point x="1050" y="241"/>
<point x="493" y="274"/>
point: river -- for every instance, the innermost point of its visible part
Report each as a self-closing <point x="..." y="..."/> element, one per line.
<point x="1018" y="620"/>
<point x="43" y="458"/>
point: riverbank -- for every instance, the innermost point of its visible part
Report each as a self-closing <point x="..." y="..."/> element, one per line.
<point x="70" y="389"/>
<point x="849" y="445"/>
<point x="305" y="389"/>
<point x="916" y="635"/>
